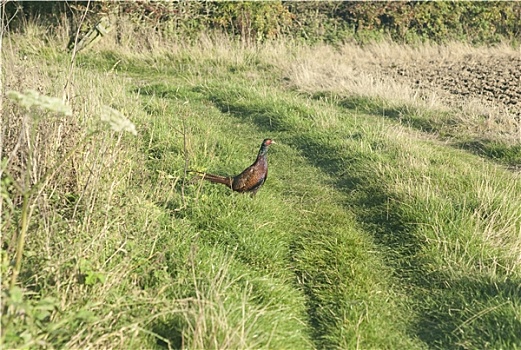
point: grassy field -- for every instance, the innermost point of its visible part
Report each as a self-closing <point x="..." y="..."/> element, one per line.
<point x="370" y="232"/>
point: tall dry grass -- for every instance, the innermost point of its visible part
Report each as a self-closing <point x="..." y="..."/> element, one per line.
<point x="65" y="172"/>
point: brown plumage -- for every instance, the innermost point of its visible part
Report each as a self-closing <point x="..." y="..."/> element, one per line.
<point x="251" y="179"/>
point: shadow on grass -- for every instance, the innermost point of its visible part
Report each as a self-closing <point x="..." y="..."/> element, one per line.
<point x="497" y="151"/>
<point x="450" y="313"/>
<point x="470" y="313"/>
<point x="170" y="332"/>
<point x="371" y="206"/>
<point x="403" y="114"/>
<point x="509" y="155"/>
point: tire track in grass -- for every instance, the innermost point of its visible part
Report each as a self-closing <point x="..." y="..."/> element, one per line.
<point x="478" y="303"/>
<point x="234" y="228"/>
<point x="349" y="305"/>
<point x="386" y="219"/>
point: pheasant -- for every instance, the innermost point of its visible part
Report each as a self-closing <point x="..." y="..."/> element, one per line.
<point x="251" y="179"/>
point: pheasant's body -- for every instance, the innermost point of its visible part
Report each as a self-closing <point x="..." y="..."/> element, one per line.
<point x="251" y="179"/>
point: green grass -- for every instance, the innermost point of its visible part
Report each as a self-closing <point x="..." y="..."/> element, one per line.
<point x="367" y="234"/>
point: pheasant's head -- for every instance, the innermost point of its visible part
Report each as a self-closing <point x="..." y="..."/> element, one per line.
<point x="264" y="147"/>
<point x="267" y="142"/>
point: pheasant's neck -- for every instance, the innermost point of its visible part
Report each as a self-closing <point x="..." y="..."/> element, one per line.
<point x="262" y="152"/>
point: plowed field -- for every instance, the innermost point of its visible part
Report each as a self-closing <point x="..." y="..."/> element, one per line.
<point x="493" y="79"/>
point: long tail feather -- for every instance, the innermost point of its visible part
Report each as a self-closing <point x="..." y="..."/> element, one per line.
<point x="225" y="180"/>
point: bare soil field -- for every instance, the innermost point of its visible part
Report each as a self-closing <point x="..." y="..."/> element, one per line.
<point x="494" y="79"/>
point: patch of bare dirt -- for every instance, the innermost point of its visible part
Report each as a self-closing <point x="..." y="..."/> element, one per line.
<point x="494" y="80"/>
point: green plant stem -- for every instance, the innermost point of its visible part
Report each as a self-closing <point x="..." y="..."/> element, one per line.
<point x="21" y="238"/>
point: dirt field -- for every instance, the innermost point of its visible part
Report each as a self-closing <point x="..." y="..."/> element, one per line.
<point x="493" y="79"/>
